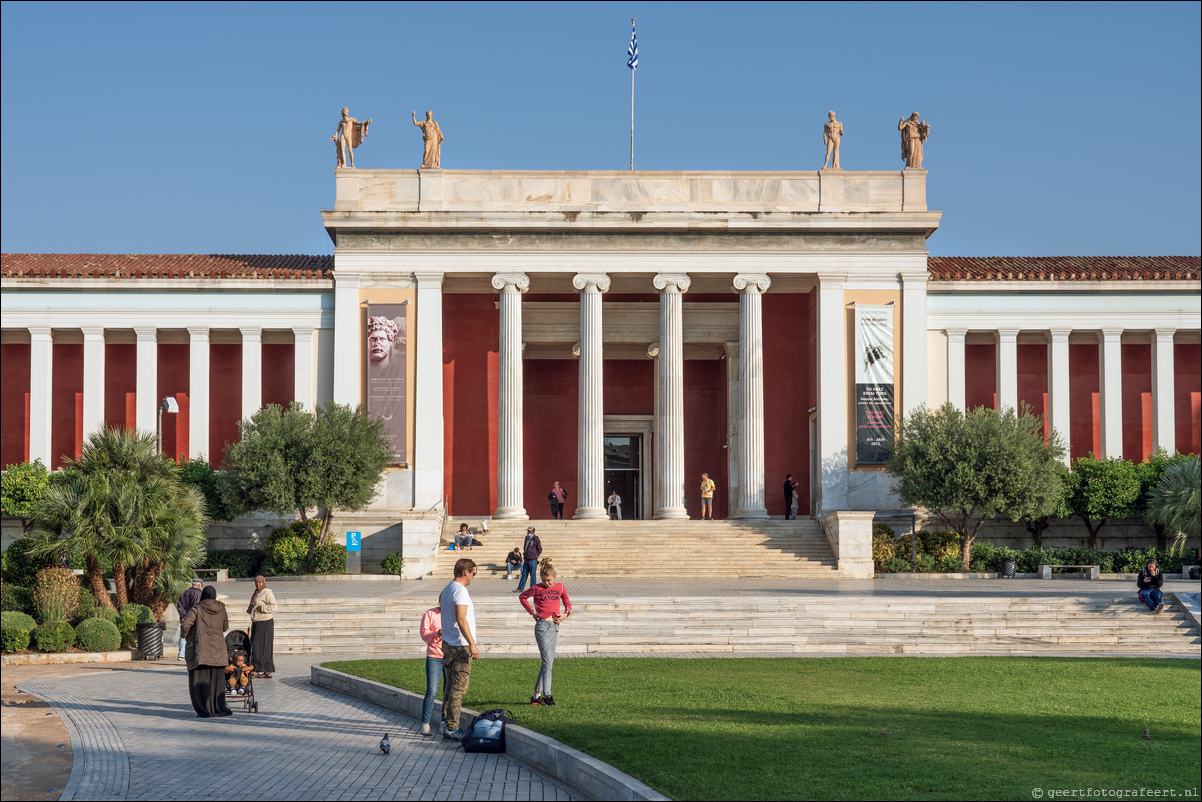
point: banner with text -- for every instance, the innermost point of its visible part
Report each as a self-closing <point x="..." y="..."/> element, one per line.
<point x="386" y="364"/>
<point x="874" y="383"/>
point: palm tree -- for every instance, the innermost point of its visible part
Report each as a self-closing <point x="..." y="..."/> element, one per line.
<point x="1176" y="501"/>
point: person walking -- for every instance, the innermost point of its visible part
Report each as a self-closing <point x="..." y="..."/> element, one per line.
<point x="204" y="627"/>
<point x="707" y="497"/>
<point x="262" y="609"/>
<point x="547" y="597"/>
<point x="615" y="506"/>
<point x="1149" y="582"/>
<point x="532" y="549"/>
<point x="431" y="633"/>
<point x="189" y="599"/>
<point x="459" y="646"/>
<point x="558" y="497"/>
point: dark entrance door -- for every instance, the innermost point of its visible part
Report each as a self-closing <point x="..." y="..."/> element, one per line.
<point x="623" y="456"/>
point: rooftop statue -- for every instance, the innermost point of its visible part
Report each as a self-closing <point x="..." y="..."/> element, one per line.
<point x="432" y="136"/>
<point x="914" y="133"/>
<point x="348" y="136"/>
<point x="831" y="132"/>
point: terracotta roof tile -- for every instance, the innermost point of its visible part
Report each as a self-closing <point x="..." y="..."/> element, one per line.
<point x="166" y="266"/>
<point x="1064" y="268"/>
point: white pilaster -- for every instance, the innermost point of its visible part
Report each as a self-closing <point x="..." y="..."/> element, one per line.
<point x="751" y="287"/>
<point x="252" y="371"/>
<point x="734" y="401"/>
<point x="656" y="455"/>
<point x="198" y="394"/>
<point x="1110" y="385"/>
<point x="347" y="334"/>
<point x="302" y="369"/>
<point x="428" y="442"/>
<point x="1007" y="369"/>
<point x="590" y="475"/>
<point x="41" y="388"/>
<point x="914" y="341"/>
<point x="93" y="380"/>
<point x="669" y="471"/>
<point x="147" y="403"/>
<point x="832" y="392"/>
<point x="510" y="460"/>
<point x="1058" y="376"/>
<point x="955" y="368"/>
<point x="1164" y="418"/>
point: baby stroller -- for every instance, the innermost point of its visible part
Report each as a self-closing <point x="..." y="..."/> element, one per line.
<point x="237" y="642"/>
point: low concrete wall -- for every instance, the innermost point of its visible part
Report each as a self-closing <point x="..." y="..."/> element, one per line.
<point x="592" y="778"/>
<point x="850" y="536"/>
<point x="1061" y="532"/>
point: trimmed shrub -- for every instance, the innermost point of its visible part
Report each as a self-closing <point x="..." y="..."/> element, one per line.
<point x="55" y="594"/>
<point x="127" y="625"/>
<point x="895" y="565"/>
<point x="20" y="566"/>
<point x="17" y="619"/>
<point x="107" y="613"/>
<point x="85" y="606"/>
<point x="142" y="614"/>
<point x="926" y="564"/>
<point x="14" y="639"/>
<point x="940" y="545"/>
<point x="392" y="563"/>
<point x="98" y="635"/>
<point x="54" y="636"/>
<point x="241" y="563"/>
<point x="952" y="565"/>
<point x="14" y="598"/>
<point x="883" y="545"/>
<point x="287" y="547"/>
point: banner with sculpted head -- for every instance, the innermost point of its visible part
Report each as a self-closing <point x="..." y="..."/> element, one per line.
<point x="874" y="383"/>
<point x="386" y="364"/>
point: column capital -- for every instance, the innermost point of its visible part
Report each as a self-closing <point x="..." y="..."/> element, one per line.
<point x="40" y="333"/>
<point x="503" y="281"/>
<point x="598" y="281"/>
<point x="198" y="334"/>
<point x="752" y="282"/>
<point x="1059" y="335"/>
<point x="1110" y="335"/>
<point x="251" y="334"/>
<point x="1163" y="335"/>
<point x="1007" y="335"/>
<point x="831" y="280"/>
<point x="653" y="351"/>
<point x="93" y="333"/>
<point x="915" y="280"/>
<point x="346" y="278"/>
<point x="147" y="334"/>
<point x="428" y="281"/>
<point x="575" y="349"/>
<point x="672" y="282"/>
<point x="956" y="335"/>
<point x="302" y="335"/>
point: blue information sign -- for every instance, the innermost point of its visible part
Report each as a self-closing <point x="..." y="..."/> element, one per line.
<point x="354" y="541"/>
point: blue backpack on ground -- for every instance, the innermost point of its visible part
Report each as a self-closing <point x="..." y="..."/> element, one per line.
<point x="487" y="733"/>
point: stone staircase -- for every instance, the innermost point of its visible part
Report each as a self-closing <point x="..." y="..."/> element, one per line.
<point x="801" y="625"/>
<point x="773" y="547"/>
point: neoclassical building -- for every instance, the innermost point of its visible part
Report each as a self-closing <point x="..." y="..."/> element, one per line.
<point x="610" y="331"/>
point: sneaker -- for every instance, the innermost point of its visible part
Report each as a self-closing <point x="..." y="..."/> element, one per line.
<point x="456" y="734"/>
<point x="425" y="730"/>
<point x="537" y="699"/>
<point x="549" y="700"/>
<point x="1160" y="607"/>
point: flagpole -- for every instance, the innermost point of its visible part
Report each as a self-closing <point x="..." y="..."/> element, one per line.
<point x="632" y="107"/>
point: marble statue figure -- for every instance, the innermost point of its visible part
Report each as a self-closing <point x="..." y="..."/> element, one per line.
<point x="348" y="136"/>
<point x="432" y="136"/>
<point x="831" y="132"/>
<point x="382" y="333"/>
<point x="914" y="133"/>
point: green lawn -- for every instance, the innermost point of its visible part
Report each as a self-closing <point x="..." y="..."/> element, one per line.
<point x="870" y="727"/>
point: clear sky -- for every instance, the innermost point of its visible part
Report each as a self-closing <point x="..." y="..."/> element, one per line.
<point x="204" y="128"/>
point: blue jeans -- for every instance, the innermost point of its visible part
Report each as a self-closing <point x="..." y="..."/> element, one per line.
<point x="1150" y="597"/>
<point x="433" y="675"/>
<point x="529" y="569"/>
<point x="509" y="569"/>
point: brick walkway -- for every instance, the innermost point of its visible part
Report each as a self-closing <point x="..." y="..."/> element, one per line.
<point x="136" y="737"/>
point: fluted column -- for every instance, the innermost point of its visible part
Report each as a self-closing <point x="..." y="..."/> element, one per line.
<point x="302" y="366"/>
<point x="509" y="430"/>
<point x="750" y="286"/>
<point x="1164" y="431"/>
<point x="41" y="386"/>
<point x="657" y="492"/>
<point x="1006" y="366"/>
<point x="955" y="368"/>
<point x="591" y="450"/>
<point x="252" y="371"/>
<point x="198" y="394"/>
<point x="146" y="405"/>
<point x="1058" y="398"/>
<point x="1110" y="383"/>
<point x="93" y="380"/>
<point x="669" y="427"/>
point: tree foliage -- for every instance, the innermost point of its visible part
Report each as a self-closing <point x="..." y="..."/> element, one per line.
<point x="1103" y="490"/>
<point x="969" y="467"/>
<point x="292" y="461"/>
<point x="1176" y="501"/>
<point x="200" y="474"/>
<point x="22" y="488"/>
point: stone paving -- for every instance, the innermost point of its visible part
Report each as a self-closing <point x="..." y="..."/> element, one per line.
<point x="136" y="737"/>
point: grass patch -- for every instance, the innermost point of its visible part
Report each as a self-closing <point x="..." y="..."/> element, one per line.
<point x="857" y="727"/>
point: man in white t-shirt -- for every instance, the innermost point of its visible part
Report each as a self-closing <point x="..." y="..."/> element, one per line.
<point x="459" y="647"/>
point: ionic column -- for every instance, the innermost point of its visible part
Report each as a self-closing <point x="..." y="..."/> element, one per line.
<point x="41" y="388"/>
<point x="914" y="341"/>
<point x="1007" y="369"/>
<point x="252" y="371"/>
<point x="1110" y="385"/>
<point x="751" y="395"/>
<point x="147" y="403"/>
<point x="955" y="367"/>
<point x="734" y="401"/>
<point x="1164" y="418"/>
<point x="509" y="435"/>
<point x="198" y="394"/>
<point x="832" y="393"/>
<point x="93" y="380"/>
<point x="591" y="450"/>
<point x="656" y="455"/>
<point x="302" y="368"/>
<point x="1058" y="376"/>
<point x="428" y="437"/>
<point x="669" y="427"/>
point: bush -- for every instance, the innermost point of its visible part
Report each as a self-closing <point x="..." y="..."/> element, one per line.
<point x="127" y="625"/>
<point x="107" y="613"/>
<point x="54" y="636"/>
<point x="952" y="564"/>
<point x="22" y="567"/>
<point x="883" y="544"/>
<point x="142" y="614"/>
<point x="55" y="594"/>
<point x="18" y="619"/>
<point x="287" y="547"/>
<point x="926" y="564"/>
<point x="14" y="639"/>
<point x="241" y="563"/>
<point x="896" y="565"/>
<point x="14" y="598"/>
<point x="85" y="606"/>
<point x="98" y="635"/>
<point x="392" y="563"/>
<point x="940" y="545"/>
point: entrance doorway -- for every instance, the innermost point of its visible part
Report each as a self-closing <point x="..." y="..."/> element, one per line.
<point x="623" y="473"/>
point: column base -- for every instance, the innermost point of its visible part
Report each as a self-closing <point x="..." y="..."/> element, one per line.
<point x="671" y="514"/>
<point x="590" y="514"/>
<point x="510" y="514"/>
<point x="757" y="513"/>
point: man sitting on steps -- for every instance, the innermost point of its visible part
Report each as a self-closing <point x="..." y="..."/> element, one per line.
<point x="1149" y="581"/>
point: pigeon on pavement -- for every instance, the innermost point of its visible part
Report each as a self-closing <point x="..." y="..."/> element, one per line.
<point x="385" y="744"/>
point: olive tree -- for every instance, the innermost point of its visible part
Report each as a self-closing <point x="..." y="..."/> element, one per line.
<point x="967" y="467"/>
<point x="1103" y="490"/>
<point x="23" y="487"/>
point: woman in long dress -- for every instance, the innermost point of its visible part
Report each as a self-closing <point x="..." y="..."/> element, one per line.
<point x="262" y="628"/>
<point x="204" y="627"/>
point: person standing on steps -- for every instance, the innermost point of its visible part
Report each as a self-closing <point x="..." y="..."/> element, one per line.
<point x="547" y="597"/>
<point x="558" y="497"/>
<point x="532" y="549"/>
<point x="790" y="497"/>
<point x="459" y="646"/>
<point x="1149" y="582"/>
<point x="707" y="497"/>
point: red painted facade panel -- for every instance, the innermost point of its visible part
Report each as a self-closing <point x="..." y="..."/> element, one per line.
<point x="120" y="384"/>
<point x="173" y="379"/>
<point x="225" y="398"/>
<point x="629" y="386"/>
<point x="279" y="374"/>
<point x="788" y="396"/>
<point x="1187" y="387"/>
<point x="1137" y="401"/>
<point x="470" y="327"/>
<point x="1033" y="380"/>
<point x="65" y="414"/>
<point x="705" y="434"/>
<point x="980" y="376"/>
<point x="550" y="432"/>
<point x="1084" y="399"/>
<point x="14" y="405"/>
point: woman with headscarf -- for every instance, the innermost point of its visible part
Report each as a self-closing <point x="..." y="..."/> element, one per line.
<point x="204" y="627"/>
<point x="262" y="628"/>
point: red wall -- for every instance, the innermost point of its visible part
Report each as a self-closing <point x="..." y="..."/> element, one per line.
<point x="14" y="403"/>
<point x="629" y="386"/>
<point x="173" y="361"/>
<point x="279" y="374"/>
<point x="549" y="424"/>
<point x="1137" y="402"/>
<point x="1187" y="384"/>
<point x="980" y="376"/>
<point x="225" y="398"/>
<point x="1084" y="414"/>
<point x="66" y="404"/>
<point x="705" y="434"/>
<point x="470" y="330"/>
<point x="788" y="396"/>
<point x="120" y="384"/>
<point x="1033" y="381"/>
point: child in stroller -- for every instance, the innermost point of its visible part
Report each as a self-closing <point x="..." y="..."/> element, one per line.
<point x="239" y="679"/>
<point x="238" y="673"/>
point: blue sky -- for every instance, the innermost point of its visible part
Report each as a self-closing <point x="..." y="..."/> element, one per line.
<point x="149" y="128"/>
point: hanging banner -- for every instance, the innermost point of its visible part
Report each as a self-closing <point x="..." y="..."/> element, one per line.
<point x="386" y="363"/>
<point x="874" y="383"/>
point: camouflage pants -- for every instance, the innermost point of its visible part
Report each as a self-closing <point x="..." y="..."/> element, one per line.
<point x="457" y="664"/>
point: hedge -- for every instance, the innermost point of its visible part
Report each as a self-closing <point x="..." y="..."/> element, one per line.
<point x="987" y="558"/>
<point x="98" y="635"/>
<point x="54" y="636"/>
<point x="14" y="639"/>
<point x="14" y="598"/>
<point x="241" y="563"/>
<point x="17" y="619"/>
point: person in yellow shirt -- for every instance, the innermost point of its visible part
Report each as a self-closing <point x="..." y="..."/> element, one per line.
<point x="707" y="497"/>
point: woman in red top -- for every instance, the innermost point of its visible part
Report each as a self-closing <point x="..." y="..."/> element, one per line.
<point x="547" y="597"/>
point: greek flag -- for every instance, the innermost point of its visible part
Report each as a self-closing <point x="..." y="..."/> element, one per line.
<point x="633" y="50"/>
